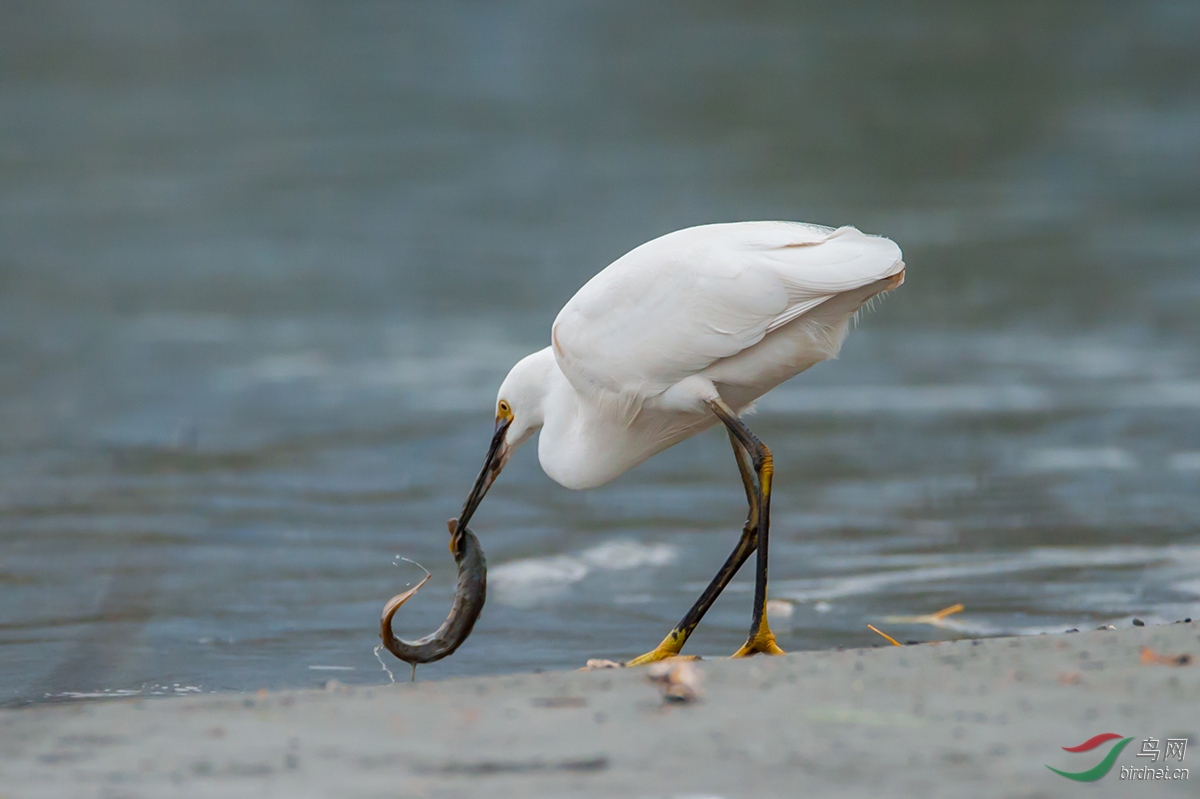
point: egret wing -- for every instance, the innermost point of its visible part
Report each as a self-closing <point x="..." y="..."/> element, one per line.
<point x="675" y="305"/>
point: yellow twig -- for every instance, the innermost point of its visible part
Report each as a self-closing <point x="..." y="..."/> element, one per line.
<point x="944" y="612"/>
<point x="929" y="618"/>
<point x="885" y="635"/>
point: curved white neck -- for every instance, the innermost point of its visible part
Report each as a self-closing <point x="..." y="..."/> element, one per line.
<point x="581" y="445"/>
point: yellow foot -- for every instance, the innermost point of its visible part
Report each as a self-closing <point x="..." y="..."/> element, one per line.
<point x="595" y="664"/>
<point x="668" y="648"/>
<point x="659" y="653"/>
<point x="763" y="642"/>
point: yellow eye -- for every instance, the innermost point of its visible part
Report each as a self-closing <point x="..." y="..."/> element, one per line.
<point x="504" y="408"/>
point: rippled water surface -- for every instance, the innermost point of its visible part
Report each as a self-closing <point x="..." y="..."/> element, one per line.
<point x="263" y="266"/>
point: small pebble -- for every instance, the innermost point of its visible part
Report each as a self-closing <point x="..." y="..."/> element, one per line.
<point x="1139" y="623"/>
<point x="679" y="679"/>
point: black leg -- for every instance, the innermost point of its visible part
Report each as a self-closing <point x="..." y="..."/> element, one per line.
<point x="760" y="639"/>
<point x="750" y="467"/>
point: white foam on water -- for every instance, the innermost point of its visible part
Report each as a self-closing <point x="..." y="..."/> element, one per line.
<point x="107" y="693"/>
<point x="1066" y="459"/>
<point x="948" y="567"/>
<point x="554" y="569"/>
<point x="620" y="555"/>
<point x="117" y="693"/>
<point x="528" y="581"/>
<point x="970" y="626"/>
<point x="331" y="668"/>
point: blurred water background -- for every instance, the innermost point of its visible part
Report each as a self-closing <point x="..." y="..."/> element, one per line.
<point x="263" y="266"/>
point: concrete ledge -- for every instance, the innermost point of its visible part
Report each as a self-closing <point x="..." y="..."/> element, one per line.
<point x="968" y="718"/>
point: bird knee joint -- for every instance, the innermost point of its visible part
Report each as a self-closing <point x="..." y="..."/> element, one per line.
<point x="763" y="459"/>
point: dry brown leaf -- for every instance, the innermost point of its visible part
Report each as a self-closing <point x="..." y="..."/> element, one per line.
<point x="1152" y="658"/>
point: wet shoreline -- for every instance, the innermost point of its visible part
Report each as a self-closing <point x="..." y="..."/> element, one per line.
<point x="972" y="717"/>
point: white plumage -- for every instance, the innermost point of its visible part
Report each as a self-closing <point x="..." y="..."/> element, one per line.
<point x="727" y="310"/>
<point x="682" y="332"/>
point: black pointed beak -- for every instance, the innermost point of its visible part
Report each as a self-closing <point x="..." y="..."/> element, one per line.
<point x="497" y="456"/>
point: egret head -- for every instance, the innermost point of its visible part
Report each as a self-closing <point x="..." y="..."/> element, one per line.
<point x="521" y="397"/>
<point x="518" y="416"/>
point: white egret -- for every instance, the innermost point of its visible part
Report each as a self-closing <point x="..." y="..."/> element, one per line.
<point x="686" y="331"/>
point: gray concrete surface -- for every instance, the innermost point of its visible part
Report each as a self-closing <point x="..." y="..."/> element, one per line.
<point x="968" y="718"/>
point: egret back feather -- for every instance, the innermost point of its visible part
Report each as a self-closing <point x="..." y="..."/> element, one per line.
<point x="678" y="304"/>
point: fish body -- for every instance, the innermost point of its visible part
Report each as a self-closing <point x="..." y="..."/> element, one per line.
<point x="469" y="596"/>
